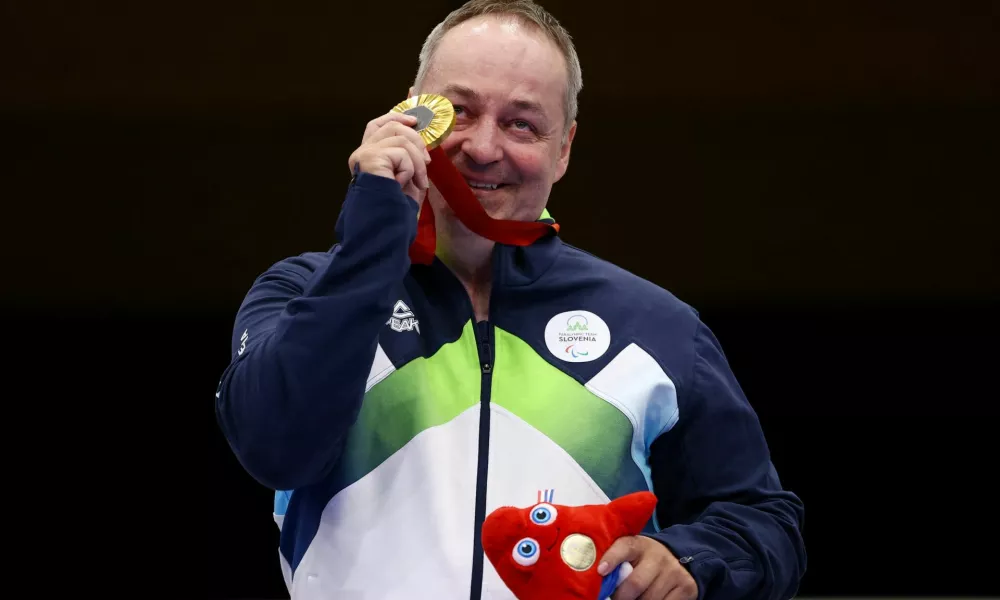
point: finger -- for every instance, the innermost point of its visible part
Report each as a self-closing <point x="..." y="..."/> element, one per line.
<point x="663" y="583"/>
<point x="402" y="164"/>
<point x="352" y="160"/>
<point x="683" y="587"/>
<point x="390" y="117"/>
<point x="418" y="156"/>
<point x="420" y="164"/>
<point x="623" y="573"/>
<point x="398" y="129"/>
<point x="638" y="581"/>
<point x="624" y="549"/>
<point x="378" y="123"/>
<point x="413" y="192"/>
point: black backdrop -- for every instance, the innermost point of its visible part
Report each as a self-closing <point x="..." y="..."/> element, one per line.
<point x="820" y="181"/>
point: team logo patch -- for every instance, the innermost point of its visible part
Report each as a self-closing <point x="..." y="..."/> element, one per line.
<point x="577" y="336"/>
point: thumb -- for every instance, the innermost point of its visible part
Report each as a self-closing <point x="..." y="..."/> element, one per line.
<point x="623" y="550"/>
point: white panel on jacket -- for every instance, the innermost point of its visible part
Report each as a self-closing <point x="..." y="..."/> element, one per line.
<point x="636" y="385"/>
<point x="381" y="368"/>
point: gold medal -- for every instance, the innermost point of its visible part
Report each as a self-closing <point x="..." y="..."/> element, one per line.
<point x="578" y="552"/>
<point x="435" y="117"/>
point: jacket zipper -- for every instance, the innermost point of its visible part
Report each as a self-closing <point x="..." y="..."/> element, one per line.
<point x="484" y="333"/>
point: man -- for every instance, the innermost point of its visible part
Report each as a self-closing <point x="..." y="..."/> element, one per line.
<point x="393" y="405"/>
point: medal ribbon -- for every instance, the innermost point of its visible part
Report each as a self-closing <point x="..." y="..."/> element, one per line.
<point x="457" y="193"/>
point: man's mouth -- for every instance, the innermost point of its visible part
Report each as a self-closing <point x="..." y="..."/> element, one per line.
<point x="476" y="185"/>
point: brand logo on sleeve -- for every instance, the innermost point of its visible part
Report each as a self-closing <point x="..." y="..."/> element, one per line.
<point x="577" y="336"/>
<point x="402" y="318"/>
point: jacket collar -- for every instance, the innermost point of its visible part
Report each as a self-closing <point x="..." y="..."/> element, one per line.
<point x="516" y="266"/>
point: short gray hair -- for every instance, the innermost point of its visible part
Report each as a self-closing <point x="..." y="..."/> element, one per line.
<point x="524" y="11"/>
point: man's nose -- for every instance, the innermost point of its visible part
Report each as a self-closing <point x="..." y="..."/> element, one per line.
<point x="482" y="143"/>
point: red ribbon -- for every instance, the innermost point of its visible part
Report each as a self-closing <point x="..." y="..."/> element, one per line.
<point x="457" y="193"/>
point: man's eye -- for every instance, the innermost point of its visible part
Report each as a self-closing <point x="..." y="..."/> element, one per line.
<point x="522" y="125"/>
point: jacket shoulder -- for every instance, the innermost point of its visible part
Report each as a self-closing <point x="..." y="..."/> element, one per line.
<point x="640" y="314"/>
<point x="299" y="268"/>
<point x="628" y="290"/>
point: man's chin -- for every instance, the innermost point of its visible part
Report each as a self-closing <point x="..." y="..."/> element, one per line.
<point x="496" y="204"/>
<point x="491" y="198"/>
<point x="499" y="204"/>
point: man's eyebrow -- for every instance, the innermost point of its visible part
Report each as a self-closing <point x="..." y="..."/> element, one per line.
<point x="464" y="92"/>
<point x="460" y="90"/>
<point x="530" y="106"/>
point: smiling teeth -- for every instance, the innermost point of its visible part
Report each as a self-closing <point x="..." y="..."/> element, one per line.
<point x="484" y="186"/>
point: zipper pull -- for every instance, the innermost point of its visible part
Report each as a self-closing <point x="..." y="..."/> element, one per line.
<point x="487" y="358"/>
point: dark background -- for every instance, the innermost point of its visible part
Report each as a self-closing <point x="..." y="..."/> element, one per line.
<point x="819" y="179"/>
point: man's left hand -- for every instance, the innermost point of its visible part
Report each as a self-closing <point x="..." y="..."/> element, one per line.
<point x="656" y="575"/>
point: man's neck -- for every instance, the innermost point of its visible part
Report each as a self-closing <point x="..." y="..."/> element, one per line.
<point x="470" y="258"/>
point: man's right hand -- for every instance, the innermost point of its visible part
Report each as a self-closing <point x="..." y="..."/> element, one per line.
<point x="391" y="148"/>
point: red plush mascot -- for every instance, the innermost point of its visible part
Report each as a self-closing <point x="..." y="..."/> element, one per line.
<point x="551" y="552"/>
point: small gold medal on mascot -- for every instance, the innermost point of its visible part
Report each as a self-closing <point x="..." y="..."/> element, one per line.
<point x="578" y="552"/>
<point x="435" y="117"/>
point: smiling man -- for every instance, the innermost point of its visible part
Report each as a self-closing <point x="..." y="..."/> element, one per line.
<point x="392" y="405"/>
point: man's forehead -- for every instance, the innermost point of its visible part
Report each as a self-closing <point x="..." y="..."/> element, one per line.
<point x="483" y="54"/>
<point x="498" y="37"/>
<point x="486" y="24"/>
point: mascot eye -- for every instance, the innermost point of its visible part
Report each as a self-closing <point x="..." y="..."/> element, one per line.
<point x="526" y="552"/>
<point x="543" y="514"/>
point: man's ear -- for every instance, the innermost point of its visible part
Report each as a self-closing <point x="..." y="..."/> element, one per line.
<point x="563" y="162"/>
<point x="409" y="94"/>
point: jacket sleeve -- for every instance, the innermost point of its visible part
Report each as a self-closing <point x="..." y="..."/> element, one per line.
<point x="305" y="338"/>
<point x="725" y="514"/>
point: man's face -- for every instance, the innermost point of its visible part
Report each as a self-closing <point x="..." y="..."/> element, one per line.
<point x="508" y="84"/>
